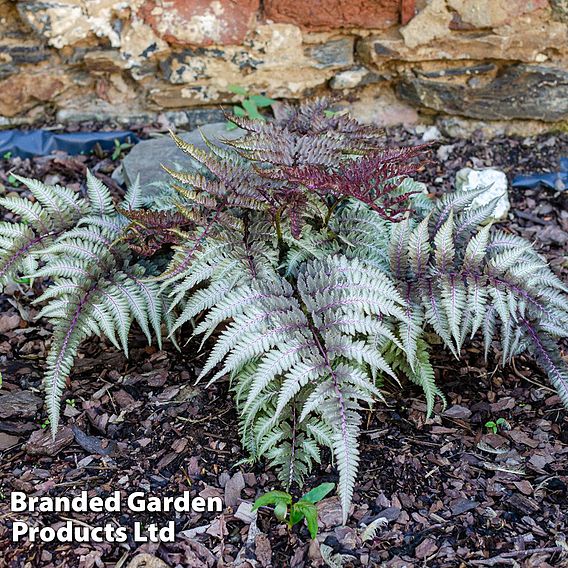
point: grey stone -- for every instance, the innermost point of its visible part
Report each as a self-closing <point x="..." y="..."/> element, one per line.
<point x="334" y="53"/>
<point x="146" y="158"/>
<point x="521" y="91"/>
<point x="24" y="53"/>
<point x="194" y="118"/>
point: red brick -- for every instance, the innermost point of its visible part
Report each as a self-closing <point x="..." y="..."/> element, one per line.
<point x="200" y="22"/>
<point x="329" y="14"/>
<point x="407" y="11"/>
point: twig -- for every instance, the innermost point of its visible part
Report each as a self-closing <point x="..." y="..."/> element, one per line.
<point x="506" y="556"/>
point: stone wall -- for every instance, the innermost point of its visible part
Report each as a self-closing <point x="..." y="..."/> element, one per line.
<point x="394" y="61"/>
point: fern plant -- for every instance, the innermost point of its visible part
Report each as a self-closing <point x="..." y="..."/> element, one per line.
<point x="320" y="269"/>
<point x="308" y="259"/>
<point x="96" y="286"/>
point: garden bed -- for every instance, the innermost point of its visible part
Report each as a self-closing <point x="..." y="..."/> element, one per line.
<point x="451" y="492"/>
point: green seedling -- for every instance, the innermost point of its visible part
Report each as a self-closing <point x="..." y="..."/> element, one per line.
<point x="249" y="106"/>
<point x="119" y="149"/>
<point x="7" y="155"/>
<point x="495" y="426"/>
<point x="292" y="513"/>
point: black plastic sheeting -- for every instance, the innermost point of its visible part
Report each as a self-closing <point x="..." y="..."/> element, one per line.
<point x="555" y="180"/>
<point x="29" y="143"/>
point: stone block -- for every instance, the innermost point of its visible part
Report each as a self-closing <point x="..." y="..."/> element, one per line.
<point x="521" y="91"/>
<point x="333" y="53"/>
<point x="493" y="13"/>
<point x="350" y="78"/>
<point x="23" y="91"/>
<point x="527" y="39"/>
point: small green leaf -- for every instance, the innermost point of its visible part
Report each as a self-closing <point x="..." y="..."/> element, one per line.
<point x="281" y="510"/>
<point x="239" y="111"/>
<point x="237" y="89"/>
<point x="311" y="514"/>
<point x="318" y="493"/>
<point x="261" y="101"/>
<point x="252" y="110"/>
<point x="296" y="515"/>
<point x="230" y="125"/>
<point x="272" y="498"/>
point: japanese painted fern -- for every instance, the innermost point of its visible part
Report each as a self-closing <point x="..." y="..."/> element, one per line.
<point x="95" y="285"/>
<point x="305" y="254"/>
<point x="328" y="283"/>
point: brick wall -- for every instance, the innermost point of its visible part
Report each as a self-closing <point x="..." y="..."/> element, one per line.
<point x="393" y="60"/>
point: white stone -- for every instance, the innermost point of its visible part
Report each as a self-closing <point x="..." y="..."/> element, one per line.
<point x="348" y="79"/>
<point x="494" y="180"/>
<point x="431" y="133"/>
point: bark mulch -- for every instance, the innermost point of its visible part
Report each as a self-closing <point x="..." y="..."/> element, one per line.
<point x="446" y="493"/>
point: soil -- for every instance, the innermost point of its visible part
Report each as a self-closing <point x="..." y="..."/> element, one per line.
<point x="450" y="492"/>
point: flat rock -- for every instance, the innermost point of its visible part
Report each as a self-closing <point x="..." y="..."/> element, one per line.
<point x="535" y="92"/>
<point x="496" y="185"/>
<point x="146" y="158"/>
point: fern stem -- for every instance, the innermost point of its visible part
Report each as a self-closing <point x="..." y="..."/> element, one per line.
<point x="292" y="445"/>
<point x="61" y="356"/>
<point x="339" y="394"/>
<point x="331" y="210"/>
<point x="281" y="246"/>
<point x="182" y="266"/>
<point x="548" y="363"/>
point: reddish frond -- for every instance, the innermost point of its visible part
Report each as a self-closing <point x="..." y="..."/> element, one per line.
<point x="149" y="231"/>
<point x="373" y="180"/>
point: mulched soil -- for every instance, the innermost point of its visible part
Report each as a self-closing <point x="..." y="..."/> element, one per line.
<point x="450" y="492"/>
